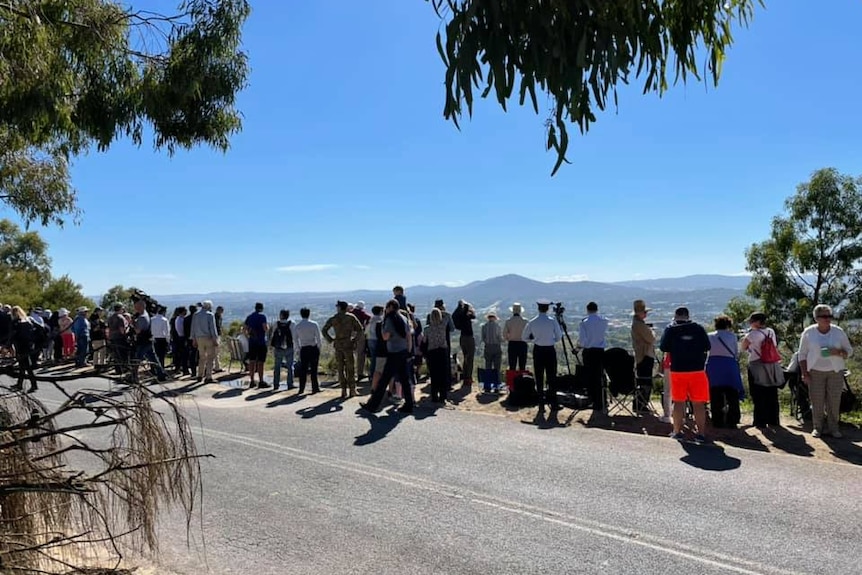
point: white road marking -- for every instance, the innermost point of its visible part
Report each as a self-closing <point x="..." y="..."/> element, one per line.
<point x="595" y="528"/>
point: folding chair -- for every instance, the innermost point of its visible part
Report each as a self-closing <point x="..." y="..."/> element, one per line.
<point x="236" y="353"/>
<point x="621" y="386"/>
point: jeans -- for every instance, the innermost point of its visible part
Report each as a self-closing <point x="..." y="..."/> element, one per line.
<point x="396" y="366"/>
<point x="82" y="348"/>
<point x="282" y="357"/>
<point x="146" y="351"/>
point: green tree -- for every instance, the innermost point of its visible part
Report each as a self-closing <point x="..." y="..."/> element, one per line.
<point x="20" y="287"/>
<point x="578" y="52"/>
<point x="739" y="308"/>
<point x="813" y="254"/>
<point x="23" y="250"/>
<point x="82" y="73"/>
<point x="63" y="292"/>
<point x="117" y="294"/>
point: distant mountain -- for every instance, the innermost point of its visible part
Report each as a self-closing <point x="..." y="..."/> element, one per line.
<point x="693" y="282"/>
<point x="704" y="295"/>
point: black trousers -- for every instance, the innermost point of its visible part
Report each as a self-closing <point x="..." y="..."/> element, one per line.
<point x="593" y="370"/>
<point x="545" y="368"/>
<point x="643" y="380"/>
<point x="724" y="406"/>
<point x="309" y="358"/>
<point x="161" y="346"/>
<point x="25" y="367"/>
<point x="437" y="366"/>
<point x="517" y="353"/>
<point x="396" y="366"/>
<point x="181" y="354"/>
<point x="765" y="399"/>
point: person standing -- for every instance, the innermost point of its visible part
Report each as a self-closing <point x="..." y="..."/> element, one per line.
<point x="763" y="378"/>
<point x="161" y="328"/>
<point x="347" y="329"/>
<point x="436" y="355"/>
<point x="823" y="349"/>
<point x="98" y="334"/>
<point x="144" y="340"/>
<point x="592" y="332"/>
<point x="722" y="370"/>
<point x="361" y="348"/>
<point x="81" y="330"/>
<point x="256" y="328"/>
<point x="492" y="340"/>
<point x="688" y="344"/>
<point x="118" y="339"/>
<point x="396" y="333"/>
<point x="219" y="318"/>
<point x="463" y="317"/>
<point x="398" y="294"/>
<point x="281" y="343"/>
<point x="192" y="354"/>
<point x="544" y="331"/>
<point x="516" y="350"/>
<point x="643" y="343"/>
<point x="205" y="339"/>
<point x="308" y="338"/>
<point x="24" y="339"/>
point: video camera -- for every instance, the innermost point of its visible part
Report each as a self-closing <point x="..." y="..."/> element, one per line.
<point x="150" y="304"/>
<point x="559" y="312"/>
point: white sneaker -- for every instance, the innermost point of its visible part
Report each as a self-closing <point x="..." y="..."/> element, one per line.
<point x="664" y="419"/>
<point x="815" y="433"/>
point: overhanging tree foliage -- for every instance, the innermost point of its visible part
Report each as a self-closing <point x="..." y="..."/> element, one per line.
<point x="813" y="254"/>
<point x="78" y="73"/>
<point x="578" y="52"/>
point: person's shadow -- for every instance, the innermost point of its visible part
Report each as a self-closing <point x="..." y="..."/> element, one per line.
<point x="789" y="442"/>
<point x="325" y="408"/>
<point x="708" y="457"/>
<point x="381" y="425"/>
<point x="287" y="400"/>
<point x="844" y="449"/>
<point x="546" y="419"/>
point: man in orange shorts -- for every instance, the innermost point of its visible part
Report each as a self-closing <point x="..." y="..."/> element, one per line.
<point x="688" y="345"/>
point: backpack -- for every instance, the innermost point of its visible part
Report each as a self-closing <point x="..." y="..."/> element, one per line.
<point x="523" y="392"/>
<point x="768" y="351"/>
<point x="282" y="338"/>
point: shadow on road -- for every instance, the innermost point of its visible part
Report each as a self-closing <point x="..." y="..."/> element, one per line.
<point x="287" y="400"/>
<point x="487" y="397"/>
<point x="226" y="393"/>
<point x="381" y="425"/>
<point x="844" y="449"/>
<point x="792" y="443"/>
<point x="546" y="419"/>
<point x="325" y="408"/>
<point x="709" y="458"/>
<point x="261" y="394"/>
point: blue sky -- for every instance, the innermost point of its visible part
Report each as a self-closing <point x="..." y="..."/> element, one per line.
<point x="347" y="176"/>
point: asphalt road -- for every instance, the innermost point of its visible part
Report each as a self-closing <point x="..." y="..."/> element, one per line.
<point x="311" y="486"/>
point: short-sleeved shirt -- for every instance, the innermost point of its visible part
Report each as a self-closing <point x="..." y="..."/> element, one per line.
<point x="256" y="323"/>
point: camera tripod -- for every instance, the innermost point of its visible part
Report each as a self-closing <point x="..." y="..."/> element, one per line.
<point x="559" y="312"/>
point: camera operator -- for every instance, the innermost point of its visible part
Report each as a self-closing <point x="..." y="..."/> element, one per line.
<point x="643" y="342"/>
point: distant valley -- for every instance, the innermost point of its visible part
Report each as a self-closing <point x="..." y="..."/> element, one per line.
<point x="705" y="295"/>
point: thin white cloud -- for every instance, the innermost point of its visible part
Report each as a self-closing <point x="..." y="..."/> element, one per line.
<point x="306" y="268"/>
<point x="362" y="267"/>
<point x="458" y="283"/>
<point x="568" y="278"/>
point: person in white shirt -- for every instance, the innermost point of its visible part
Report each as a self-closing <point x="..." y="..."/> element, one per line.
<point x="544" y="331"/>
<point x="307" y="336"/>
<point x="161" y="329"/>
<point x="823" y="348"/>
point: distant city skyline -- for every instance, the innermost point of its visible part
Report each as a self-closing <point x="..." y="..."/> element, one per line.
<point x="346" y="175"/>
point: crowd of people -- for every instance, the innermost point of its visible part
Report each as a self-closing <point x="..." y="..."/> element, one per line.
<point x="388" y="345"/>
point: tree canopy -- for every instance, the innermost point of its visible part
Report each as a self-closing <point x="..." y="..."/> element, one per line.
<point x="813" y="254"/>
<point x="79" y="73"/>
<point x="578" y="52"/>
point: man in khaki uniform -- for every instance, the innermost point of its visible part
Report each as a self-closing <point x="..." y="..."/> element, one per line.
<point x="347" y="331"/>
<point x="643" y="342"/>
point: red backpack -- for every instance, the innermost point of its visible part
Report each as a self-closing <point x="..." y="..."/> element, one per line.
<point x="768" y="351"/>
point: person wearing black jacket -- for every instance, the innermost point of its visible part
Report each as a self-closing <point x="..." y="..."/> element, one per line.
<point x="463" y="317"/>
<point x="24" y="338"/>
<point x="688" y="346"/>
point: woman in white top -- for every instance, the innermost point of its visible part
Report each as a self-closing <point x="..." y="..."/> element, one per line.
<point x="822" y="351"/>
<point x="763" y="379"/>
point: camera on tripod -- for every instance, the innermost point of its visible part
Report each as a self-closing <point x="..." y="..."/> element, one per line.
<point x="559" y="312"/>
